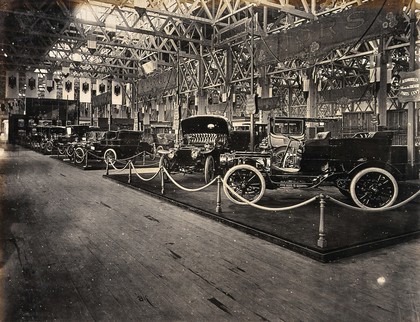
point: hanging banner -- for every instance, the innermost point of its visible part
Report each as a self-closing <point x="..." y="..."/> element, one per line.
<point x="85" y="90"/>
<point x="68" y="88"/>
<point x="101" y="86"/>
<point x="117" y="93"/>
<point x="31" y="85"/>
<point x="50" y="88"/>
<point x="409" y="86"/>
<point x="316" y="39"/>
<point x="12" y="84"/>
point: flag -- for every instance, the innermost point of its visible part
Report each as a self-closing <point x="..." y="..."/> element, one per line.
<point x="50" y="87"/>
<point x="68" y="88"/>
<point x="85" y="88"/>
<point x="117" y="93"/>
<point x="101" y="86"/>
<point x="31" y="85"/>
<point x="12" y="84"/>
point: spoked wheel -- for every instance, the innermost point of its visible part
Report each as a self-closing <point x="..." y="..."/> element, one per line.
<point x="246" y="181"/>
<point x="164" y="162"/>
<point x="70" y="150"/>
<point x="110" y="156"/>
<point x="209" y="169"/>
<point x="79" y="155"/>
<point x="49" y="147"/>
<point x="374" y="188"/>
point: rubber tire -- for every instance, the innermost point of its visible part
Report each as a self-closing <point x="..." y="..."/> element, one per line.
<point x="110" y="156"/>
<point x="209" y="169"/>
<point x="61" y="150"/>
<point x="360" y="175"/>
<point x="49" y="147"/>
<point x="242" y="167"/>
<point x="79" y="155"/>
<point x="70" y="151"/>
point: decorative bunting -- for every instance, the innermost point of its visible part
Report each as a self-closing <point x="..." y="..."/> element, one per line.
<point x="68" y="88"/>
<point x="12" y="84"/>
<point x="50" y="87"/>
<point x="117" y="93"/>
<point x="85" y="90"/>
<point x="31" y="85"/>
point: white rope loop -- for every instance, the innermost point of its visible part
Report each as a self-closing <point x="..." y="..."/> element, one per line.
<point x="301" y="204"/>
<point x="373" y="210"/>
<point x="140" y="177"/>
<point x="188" y="189"/>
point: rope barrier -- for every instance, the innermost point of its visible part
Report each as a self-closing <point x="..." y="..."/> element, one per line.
<point x="188" y="189"/>
<point x="141" y="178"/>
<point x="398" y="205"/>
<point x="301" y="204"/>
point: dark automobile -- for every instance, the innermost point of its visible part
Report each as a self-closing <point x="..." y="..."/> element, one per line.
<point x="359" y="166"/>
<point x="67" y="142"/>
<point x="81" y="148"/>
<point x="202" y="140"/>
<point x="42" y="137"/>
<point x="122" y="144"/>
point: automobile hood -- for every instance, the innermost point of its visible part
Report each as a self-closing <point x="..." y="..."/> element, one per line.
<point x="204" y="124"/>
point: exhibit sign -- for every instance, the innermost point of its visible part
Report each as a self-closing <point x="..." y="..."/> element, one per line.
<point x="409" y="86"/>
<point x="317" y="38"/>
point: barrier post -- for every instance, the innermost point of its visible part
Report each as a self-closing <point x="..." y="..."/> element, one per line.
<point x="144" y="157"/>
<point x="162" y="180"/>
<point x="107" y="167"/>
<point x="129" y="171"/>
<point x="86" y="158"/>
<point x="322" y="241"/>
<point x="219" y="195"/>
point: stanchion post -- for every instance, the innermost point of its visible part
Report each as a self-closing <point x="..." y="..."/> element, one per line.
<point x="144" y="157"/>
<point x="162" y="180"/>
<point x="219" y="195"/>
<point x="86" y="158"/>
<point x="107" y="167"/>
<point x="322" y="241"/>
<point x="129" y="171"/>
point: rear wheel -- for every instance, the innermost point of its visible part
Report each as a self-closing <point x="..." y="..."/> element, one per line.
<point x="70" y="150"/>
<point x="374" y="188"/>
<point x="209" y="169"/>
<point x="49" y="147"/>
<point x="110" y="156"/>
<point x="246" y="181"/>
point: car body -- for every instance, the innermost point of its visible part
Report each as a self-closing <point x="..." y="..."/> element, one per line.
<point x="202" y="140"/>
<point x="122" y="144"/>
<point x="358" y="166"/>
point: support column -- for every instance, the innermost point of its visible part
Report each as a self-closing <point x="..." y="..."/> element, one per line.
<point x="412" y="168"/>
<point x="311" y="102"/>
<point x="383" y="80"/>
<point x="265" y="84"/>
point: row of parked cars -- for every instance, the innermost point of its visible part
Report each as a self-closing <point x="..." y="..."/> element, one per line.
<point x="358" y="166"/>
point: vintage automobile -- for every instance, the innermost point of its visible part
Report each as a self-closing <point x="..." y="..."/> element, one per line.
<point x="82" y="147"/>
<point x="358" y="166"/>
<point x="122" y="144"/>
<point x="44" y="137"/>
<point x="74" y="133"/>
<point x="202" y="139"/>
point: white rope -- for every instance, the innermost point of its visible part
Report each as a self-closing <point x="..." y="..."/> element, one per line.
<point x="301" y="204"/>
<point x="184" y="188"/>
<point x="122" y="169"/>
<point x="398" y="205"/>
<point x="141" y="178"/>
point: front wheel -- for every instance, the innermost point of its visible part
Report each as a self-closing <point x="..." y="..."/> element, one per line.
<point x="374" y="188"/>
<point x="209" y="169"/>
<point x="110" y="156"/>
<point x="246" y="181"/>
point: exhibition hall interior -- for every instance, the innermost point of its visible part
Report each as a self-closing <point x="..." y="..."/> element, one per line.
<point x="209" y="160"/>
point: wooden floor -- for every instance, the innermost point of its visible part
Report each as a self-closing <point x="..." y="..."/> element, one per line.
<point x="77" y="247"/>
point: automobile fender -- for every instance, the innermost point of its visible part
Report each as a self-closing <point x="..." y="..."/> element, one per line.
<point x="163" y="152"/>
<point x="378" y="164"/>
